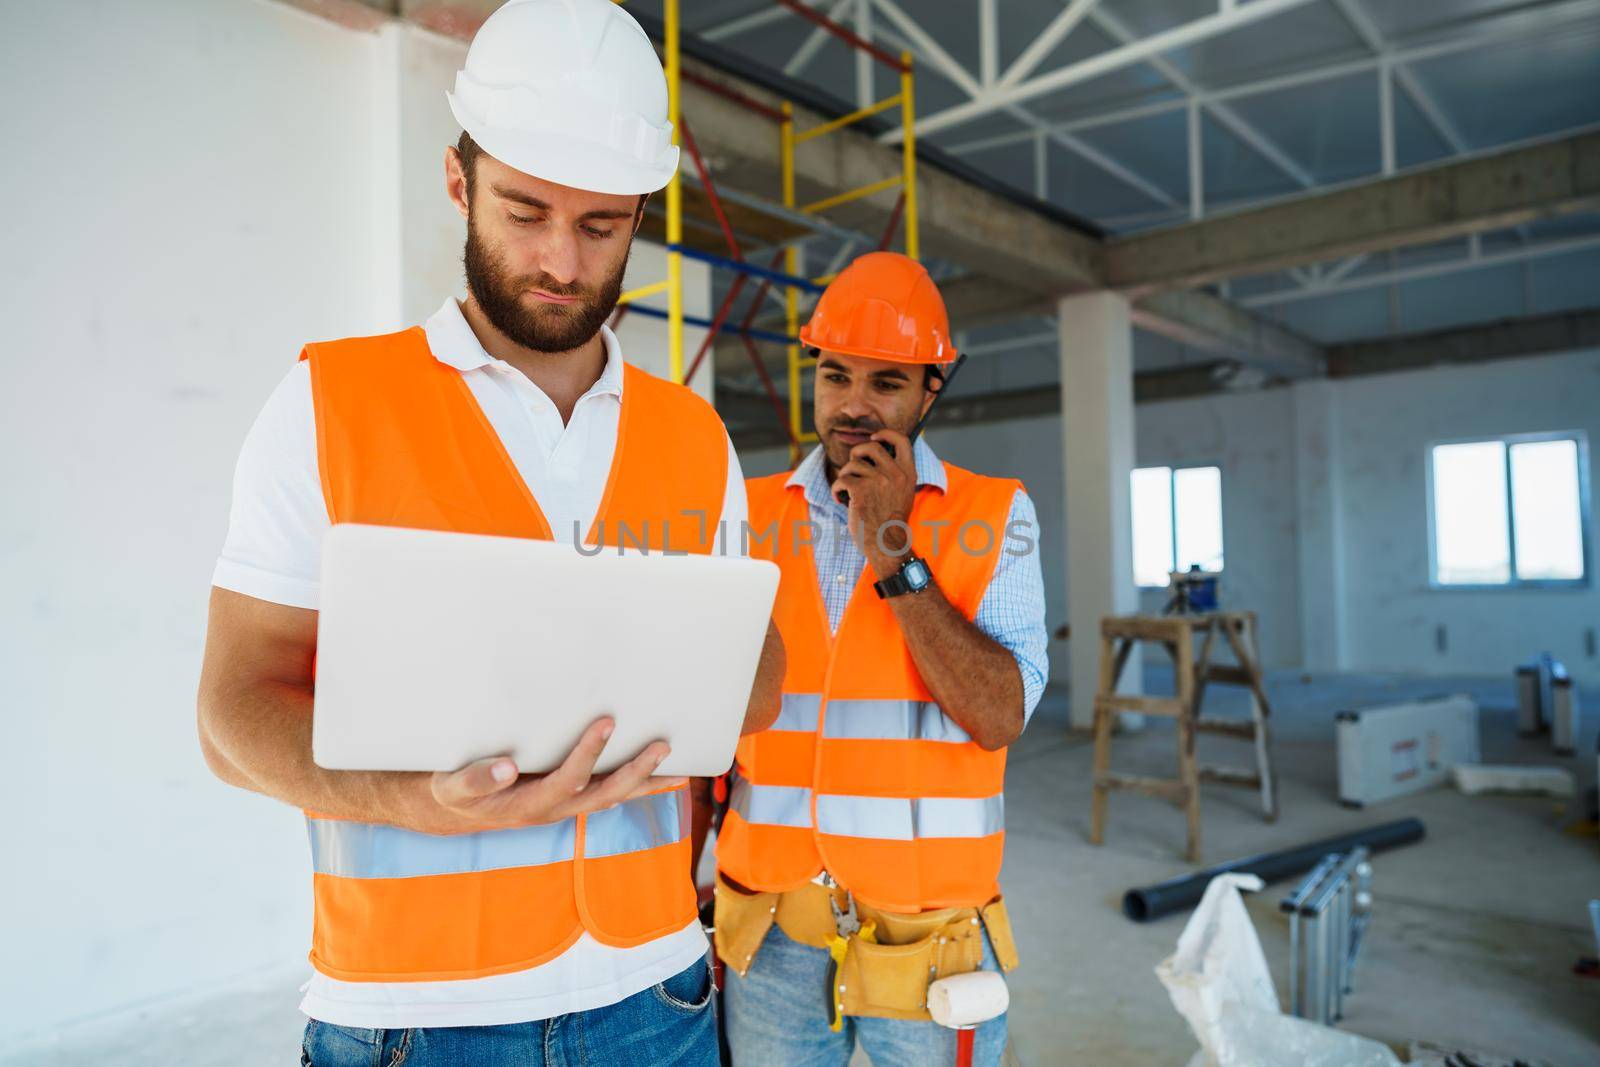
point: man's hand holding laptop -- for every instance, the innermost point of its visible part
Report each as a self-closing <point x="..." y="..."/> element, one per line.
<point x="489" y="794"/>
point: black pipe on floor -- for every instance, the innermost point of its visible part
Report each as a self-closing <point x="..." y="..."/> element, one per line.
<point x="1154" y="901"/>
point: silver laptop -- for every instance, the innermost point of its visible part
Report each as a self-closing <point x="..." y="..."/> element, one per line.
<point x="437" y="649"/>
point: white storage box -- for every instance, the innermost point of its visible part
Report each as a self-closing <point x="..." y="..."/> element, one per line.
<point x="1397" y="749"/>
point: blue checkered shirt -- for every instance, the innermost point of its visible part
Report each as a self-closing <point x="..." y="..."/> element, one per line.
<point x="1012" y="609"/>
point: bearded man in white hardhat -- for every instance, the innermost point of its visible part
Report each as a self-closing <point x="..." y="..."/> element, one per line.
<point x="485" y="917"/>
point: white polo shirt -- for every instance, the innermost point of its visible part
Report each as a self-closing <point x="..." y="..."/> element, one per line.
<point x="273" y="552"/>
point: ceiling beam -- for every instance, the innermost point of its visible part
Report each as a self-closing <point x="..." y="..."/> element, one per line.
<point x="1194" y="318"/>
<point x="1190" y="317"/>
<point x="974" y="300"/>
<point x="1339" y="281"/>
<point x="1428" y="204"/>
<point x="1534" y="336"/>
<point x="1198" y="319"/>
<point x="750" y="414"/>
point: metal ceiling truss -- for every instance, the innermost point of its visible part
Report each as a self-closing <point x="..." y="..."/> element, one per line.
<point x="1338" y="280"/>
<point x="992" y="90"/>
<point x="1390" y="61"/>
<point x="929" y="52"/>
<point x="1021" y="89"/>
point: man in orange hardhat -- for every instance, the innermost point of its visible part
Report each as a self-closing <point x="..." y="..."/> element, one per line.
<point x="481" y="916"/>
<point x="859" y="856"/>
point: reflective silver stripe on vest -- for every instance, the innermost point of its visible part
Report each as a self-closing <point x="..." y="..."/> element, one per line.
<point x="900" y="720"/>
<point x="800" y="711"/>
<point x="898" y="819"/>
<point x="637" y="824"/>
<point x="371" y="850"/>
<point x="771" y="805"/>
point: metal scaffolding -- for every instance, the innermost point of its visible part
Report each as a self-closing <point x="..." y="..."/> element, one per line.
<point x="789" y="278"/>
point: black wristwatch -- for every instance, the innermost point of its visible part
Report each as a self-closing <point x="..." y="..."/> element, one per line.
<point x="912" y="577"/>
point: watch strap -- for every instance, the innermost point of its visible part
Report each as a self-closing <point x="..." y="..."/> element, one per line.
<point x="894" y="585"/>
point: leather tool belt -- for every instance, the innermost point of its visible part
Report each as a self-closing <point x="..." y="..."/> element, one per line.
<point x="883" y="967"/>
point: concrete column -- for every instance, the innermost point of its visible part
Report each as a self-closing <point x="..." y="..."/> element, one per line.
<point x="1318" y="510"/>
<point x="1097" y="437"/>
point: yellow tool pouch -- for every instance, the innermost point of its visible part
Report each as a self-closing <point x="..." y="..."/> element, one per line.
<point x="886" y="976"/>
<point x="740" y="923"/>
<point x="998" y="923"/>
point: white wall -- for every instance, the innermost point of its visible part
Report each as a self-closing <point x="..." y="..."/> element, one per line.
<point x="187" y="205"/>
<point x="1248" y="436"/>
<point x="1251" y="437"/>
<point x="1388" y="422"/>
<point x="1325" y="513"/>
<point x="1325" y="510"/>
<point x="195" y="188"/>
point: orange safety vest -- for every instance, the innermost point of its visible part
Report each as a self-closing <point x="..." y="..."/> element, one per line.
<point x="402" y="442"/>
<point x="862" y="774"/>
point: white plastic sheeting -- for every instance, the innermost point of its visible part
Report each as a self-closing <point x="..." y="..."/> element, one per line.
<point x="1218" y="980"/>
<point x="1473" y="778"/>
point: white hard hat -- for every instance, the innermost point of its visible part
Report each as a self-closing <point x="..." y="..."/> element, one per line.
<point x="569" y="91"/>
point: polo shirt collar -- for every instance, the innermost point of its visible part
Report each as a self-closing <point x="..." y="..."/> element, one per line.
<point x="453" y="343"/>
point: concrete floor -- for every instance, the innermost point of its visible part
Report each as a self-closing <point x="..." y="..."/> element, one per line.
<point x="1476" y="927"/>
<point x="1475" y="933"/>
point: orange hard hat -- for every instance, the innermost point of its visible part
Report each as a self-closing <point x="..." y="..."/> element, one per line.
<point x="882" y="306"/>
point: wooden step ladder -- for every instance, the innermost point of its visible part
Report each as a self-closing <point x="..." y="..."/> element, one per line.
<point x="1177" y="634"/>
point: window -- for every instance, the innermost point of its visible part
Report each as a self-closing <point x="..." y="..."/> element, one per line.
<point x="1509" y="510"/>
<point x="1177" y="521"/>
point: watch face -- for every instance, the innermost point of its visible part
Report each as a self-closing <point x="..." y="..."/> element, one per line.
<point x="916" y="574"/>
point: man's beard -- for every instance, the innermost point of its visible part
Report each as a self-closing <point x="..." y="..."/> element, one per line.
<point x="831" y="447"/>
<point x="546" y="328"/>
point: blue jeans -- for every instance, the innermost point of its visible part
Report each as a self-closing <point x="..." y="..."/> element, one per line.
<point x="672" y="1024"/>
<point x="778" y="1017"/>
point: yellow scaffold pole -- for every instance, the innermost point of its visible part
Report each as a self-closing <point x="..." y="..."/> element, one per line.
<point x="674" y="206"/>
<point x="908" y="149"/>
<point x="791" y="265"/>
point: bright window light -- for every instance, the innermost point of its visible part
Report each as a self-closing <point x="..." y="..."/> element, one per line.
<point x="1197" y="496"/>
<point x="1177" y="521"/>
<point x="1508" y="510"/>
<point x="1545" y="511"/>
<point x="1471" y="544"/>
<point x="1152" y="525"/>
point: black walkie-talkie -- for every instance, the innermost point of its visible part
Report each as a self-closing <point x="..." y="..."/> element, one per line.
<point x="843" y="495"/>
